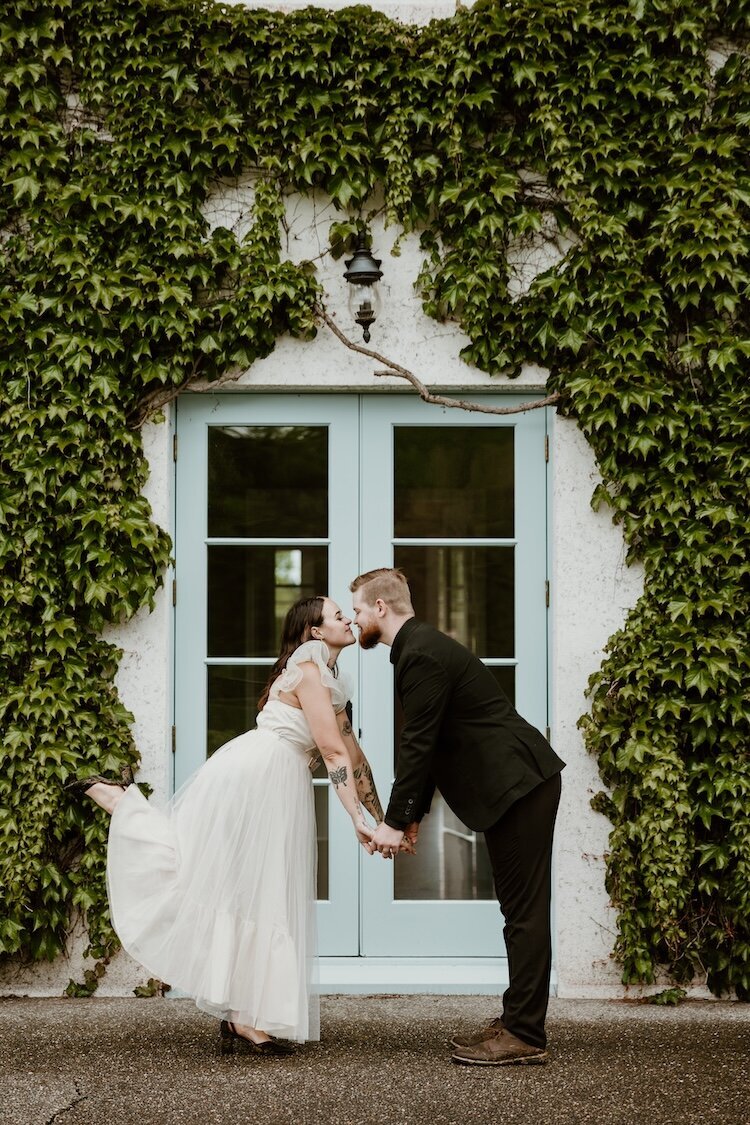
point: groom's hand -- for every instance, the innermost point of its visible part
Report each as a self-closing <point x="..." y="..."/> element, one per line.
<point x="409" y="842"/>
<point x="386" y="840"/>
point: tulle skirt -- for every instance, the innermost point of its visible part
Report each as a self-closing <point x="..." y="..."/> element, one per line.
<point x="215" y="895"/>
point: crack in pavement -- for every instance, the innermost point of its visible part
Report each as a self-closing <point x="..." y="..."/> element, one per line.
<point x="64" y="1109"/>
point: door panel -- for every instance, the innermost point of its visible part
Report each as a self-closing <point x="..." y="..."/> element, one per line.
<point x="284" y="496"/>
<point x="449" y="514"/>
<point x="265" y="493"/>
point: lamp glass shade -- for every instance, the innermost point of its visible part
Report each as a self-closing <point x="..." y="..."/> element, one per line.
<point x="367" y="295"/>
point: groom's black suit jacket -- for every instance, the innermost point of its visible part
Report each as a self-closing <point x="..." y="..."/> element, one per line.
<point x="461" y="735"/>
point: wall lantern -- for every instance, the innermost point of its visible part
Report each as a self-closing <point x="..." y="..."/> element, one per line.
<point x="363" y="273"/>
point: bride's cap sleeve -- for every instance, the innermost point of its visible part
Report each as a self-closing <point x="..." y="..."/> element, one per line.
<point x="315" y="652"/>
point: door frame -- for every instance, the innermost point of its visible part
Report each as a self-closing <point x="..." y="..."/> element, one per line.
<point x="473" y="970"/>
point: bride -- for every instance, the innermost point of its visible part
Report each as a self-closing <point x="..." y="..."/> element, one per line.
<point x="216" y="894"/>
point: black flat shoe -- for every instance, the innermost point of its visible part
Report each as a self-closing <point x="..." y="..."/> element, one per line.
<point x="230" y="1041"/>
<point x="80" y="785"/>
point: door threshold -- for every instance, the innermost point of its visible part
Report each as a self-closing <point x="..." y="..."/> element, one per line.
<point x="480" y="976"/>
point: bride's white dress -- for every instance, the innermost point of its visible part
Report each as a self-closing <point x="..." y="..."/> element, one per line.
<point x="215" y="895"/>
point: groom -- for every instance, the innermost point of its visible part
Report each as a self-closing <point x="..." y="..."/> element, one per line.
<point x="499" y="776"/>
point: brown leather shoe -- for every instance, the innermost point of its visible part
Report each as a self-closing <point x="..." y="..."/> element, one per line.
<point x="488" y="1032"/>
<point x="502" y="1050"/>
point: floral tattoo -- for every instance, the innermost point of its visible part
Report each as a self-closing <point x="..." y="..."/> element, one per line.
<point x="368" y="794"/>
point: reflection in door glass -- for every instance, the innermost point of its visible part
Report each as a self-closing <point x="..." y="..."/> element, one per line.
<point x="453" y="482"/>
<point x="451" y="861"/>
<point x="267" y="481"/>
<point x="250" y="590"/>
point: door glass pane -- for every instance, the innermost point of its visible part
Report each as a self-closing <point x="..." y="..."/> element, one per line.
<point x="321" y="815"/>
<point x="451" y="861"/>
<point x="505" y="674"/>
<point x="233" y="694"/>
<point x="456" y="482"/>
<point x="453" y="481"/>
<point x="250" y="590"/>
<point x="267" y="481"/>
<point x="466" y="592"/>
<point x="232" y="706"/>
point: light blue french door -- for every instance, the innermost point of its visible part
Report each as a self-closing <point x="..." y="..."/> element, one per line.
<point x="267" y="499"/>
<point x="458" y="502"/>
<point x="284" y="496"/>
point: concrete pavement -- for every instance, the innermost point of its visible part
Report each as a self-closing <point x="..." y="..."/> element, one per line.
<point x="382" y="1059"/>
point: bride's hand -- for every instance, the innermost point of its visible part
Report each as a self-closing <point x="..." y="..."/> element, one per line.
<point x="364" y="832"/>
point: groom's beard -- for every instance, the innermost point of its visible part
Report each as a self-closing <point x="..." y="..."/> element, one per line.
<point x="369" y="636"/>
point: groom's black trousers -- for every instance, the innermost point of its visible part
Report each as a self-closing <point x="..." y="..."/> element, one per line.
<point x="520" y="847"/>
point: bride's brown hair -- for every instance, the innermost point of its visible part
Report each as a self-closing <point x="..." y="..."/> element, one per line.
<point x="299" y="622"/>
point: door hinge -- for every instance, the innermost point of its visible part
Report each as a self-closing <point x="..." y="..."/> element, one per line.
<point x="546" y="592"/>
<point x="174" y="740"/>
<point x="547" y="734"/>
<point x="174" y="591"/>
<point x="546" y="448"/>
<point x="174" y="447"/>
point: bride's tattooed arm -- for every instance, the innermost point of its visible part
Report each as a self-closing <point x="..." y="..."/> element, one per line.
<point x="363" y="778"/>
<point x="315" y="701"/>
<point x="338" y="777"/>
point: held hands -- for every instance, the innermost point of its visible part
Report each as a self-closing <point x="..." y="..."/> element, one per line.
<point x="389" y="841"/>
<point x="384" y="839"/>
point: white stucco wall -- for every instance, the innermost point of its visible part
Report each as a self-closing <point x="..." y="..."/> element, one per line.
<point x="591" y="588"/>
<point x="591" y="591"/>
<point x="418" y="12"/>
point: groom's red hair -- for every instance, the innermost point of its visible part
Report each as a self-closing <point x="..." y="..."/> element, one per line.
<point x="386" y="583"/>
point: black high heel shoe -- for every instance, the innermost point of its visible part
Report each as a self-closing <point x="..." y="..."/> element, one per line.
<point x="230" y="1040"/>
<point x="79" y="785"/>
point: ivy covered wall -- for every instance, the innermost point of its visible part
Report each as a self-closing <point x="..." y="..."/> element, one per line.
<point x="614" y="134"/>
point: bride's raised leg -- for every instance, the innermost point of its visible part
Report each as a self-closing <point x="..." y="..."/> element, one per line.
<point x="105" y="792"/>
<point x="106" y="796"/>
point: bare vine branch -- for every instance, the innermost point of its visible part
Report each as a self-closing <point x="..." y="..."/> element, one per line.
<point x="160" y="398"/>
<point x="419" y="386"/>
